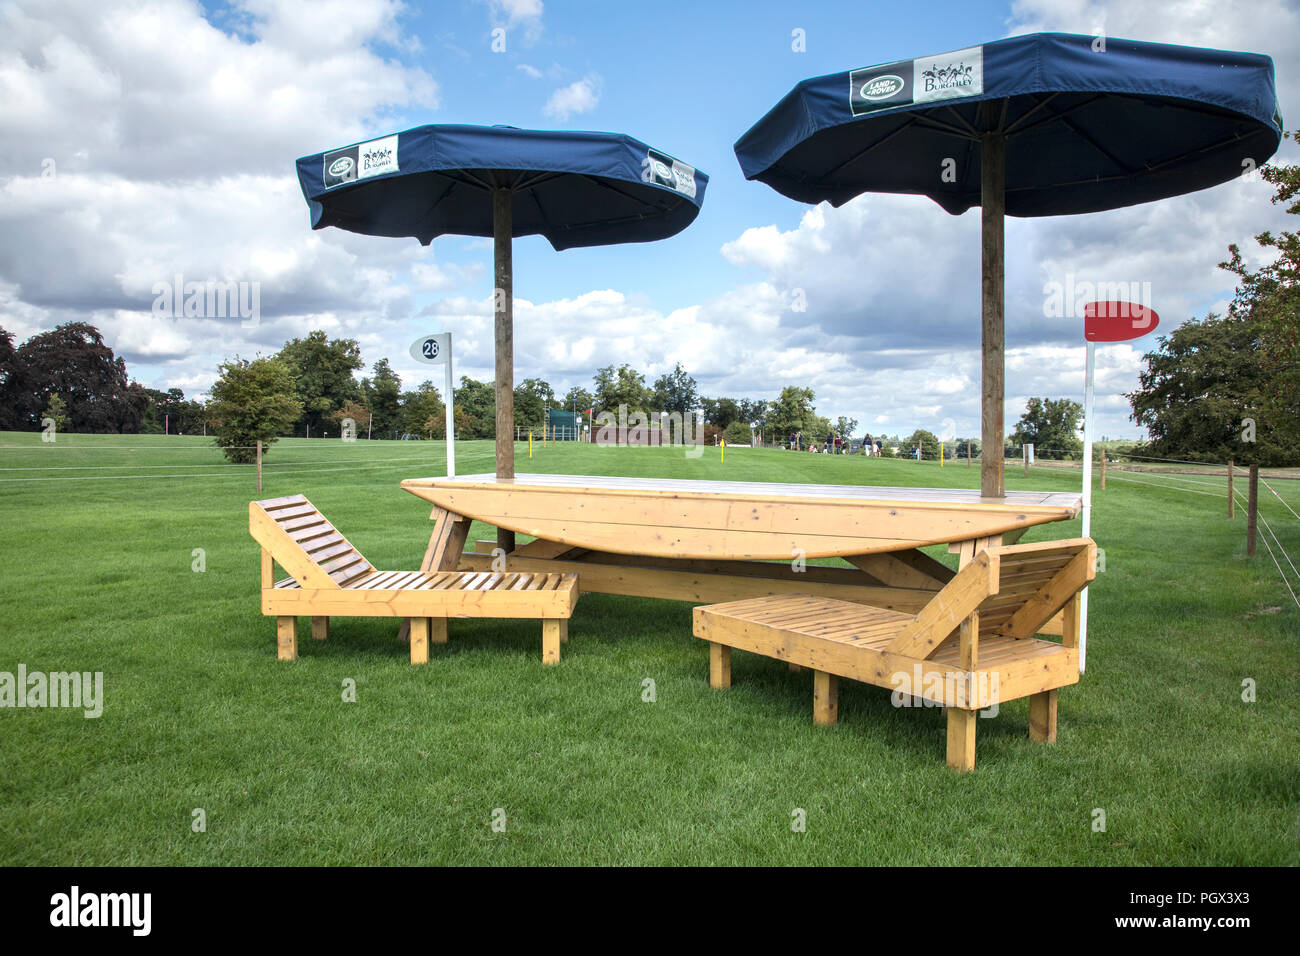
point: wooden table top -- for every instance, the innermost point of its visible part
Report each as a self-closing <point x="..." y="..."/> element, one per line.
<point x="672" y="517"/>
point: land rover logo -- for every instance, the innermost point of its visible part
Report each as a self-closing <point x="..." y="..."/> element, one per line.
<point x="341" y="166"/>
<point x="881" y="87"/>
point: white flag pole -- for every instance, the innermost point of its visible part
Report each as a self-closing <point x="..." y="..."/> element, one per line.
<point x="451" y="438"/>
<point x="1089" y="366"/>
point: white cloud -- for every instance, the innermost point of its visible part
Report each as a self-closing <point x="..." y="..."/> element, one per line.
<point x="530" y="71"/>
<point x="580" y="96"/>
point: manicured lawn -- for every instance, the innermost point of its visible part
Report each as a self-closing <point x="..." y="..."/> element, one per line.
<point x="97" y="575"/>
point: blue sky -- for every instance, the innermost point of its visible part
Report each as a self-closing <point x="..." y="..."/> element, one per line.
<point x="174" y="127"/>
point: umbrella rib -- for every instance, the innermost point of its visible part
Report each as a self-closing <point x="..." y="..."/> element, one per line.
<point x="1030" y="112"/>
<point x="1053" y="116"/>
<point x="880" y="142"/>
<point x="962" y="120"/>
<point x="929" y="122"/>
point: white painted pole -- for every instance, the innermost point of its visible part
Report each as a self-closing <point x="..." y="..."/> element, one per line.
<point x="451" y="438"/>
<point x="1089" y="367"/>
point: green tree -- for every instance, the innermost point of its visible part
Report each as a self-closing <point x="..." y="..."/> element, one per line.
<point x="845" y="427"/>
<point x="792" y="412"/>
<point x="676" y="391"/>
<point x="251" y="401"/>
<point x="1269" y="300"/>
<point x="56" y="411"/>
<point x="1199" y="390"/>
<point x="474" y="406"/>
<point x="322" y="375"/>
<point x="721" y="411"/>
<point x="11" y="384"/>
<point x="621" y="386"/>
<point x="419" y="408"/>
<point x="737" y="433"/>
<point x="928" y="441"/>
<point x="532" y="399"/>
<point x="1051" y="425"/>
<point x="578" y="399"/>
<point x="382" y="395"/>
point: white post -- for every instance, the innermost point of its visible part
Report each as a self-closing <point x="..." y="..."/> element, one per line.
<point x="1089" y="366"/>
<point x="451" y="438"/>
<point x="370" y="426"/>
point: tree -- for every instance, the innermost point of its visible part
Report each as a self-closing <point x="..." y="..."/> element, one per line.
<point x="353" y="412"/>
<point x="737" y="433"/>
<point x="621" y="386"/>
<point x="845" y="427"/>
<point x="55" y="413"/>
<point x="532" y="399"/>
<point x="73" y="361"/>
<point x="11" y="384"/>
<point x="1051" y="425"/>
<point x="1269" y="300"/>
<point x="793" y="412"/>
<point x="382" y="395"/>
<point x="752" y="411"/>
<point x="928" y="441"/>
<point x="251" y="401"/>
<point x="578" y="399"/>
<point x="474" y="407"/>
<point x="419" y="408"/>
<point x="676" y="391"/>
<point x="1198" y="390"/>
<point x="720" y="411"/>
<point x="322" y="375"/>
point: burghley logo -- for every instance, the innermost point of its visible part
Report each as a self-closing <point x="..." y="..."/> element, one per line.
<point x="74" y="908"/>
<point x="946" y="77"/>
<point x="960" y="73"/>
<point x="77" y="690"/>
<point x="881" y="87"/>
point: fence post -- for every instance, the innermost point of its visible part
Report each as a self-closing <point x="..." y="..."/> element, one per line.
<point x="259" y="466"/>
<point x="1103" y="469"/>
<point x="969" y="460"/>
<point x="1024" y="451"/>
<point x="1232" y="505"/>
<point x="1252" y="510"/>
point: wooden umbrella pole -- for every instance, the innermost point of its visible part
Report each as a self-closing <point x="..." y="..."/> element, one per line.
<point x="504" y="307"/>
<point x="993" y="203"/>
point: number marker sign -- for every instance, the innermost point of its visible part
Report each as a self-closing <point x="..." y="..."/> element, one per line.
<point x="436" y="350"/>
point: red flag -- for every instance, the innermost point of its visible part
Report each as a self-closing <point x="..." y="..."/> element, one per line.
<point x="1117" y="321"/>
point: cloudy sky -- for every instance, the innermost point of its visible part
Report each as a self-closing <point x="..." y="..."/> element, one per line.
<point x="142" y="140"/>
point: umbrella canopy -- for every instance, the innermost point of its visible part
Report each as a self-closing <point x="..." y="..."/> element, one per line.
<point x="574" y="188"/>
<point x="1040" y="125"/>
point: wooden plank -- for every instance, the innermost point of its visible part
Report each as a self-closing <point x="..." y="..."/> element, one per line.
<point x="1070" y="623"/>
<point x="450" y="602"/>
<point x="552" y="637"/>
<point x="705" y="588"/>
<point x="268" y="569"/>
<point x="320" y="628"/>
<point x="719" y="666"/>
<point x="945" y="612"/>
<point x="286" y="638"/>
<point x="961" y="739"/>
<point x="1052" y="596"/>
<point x="825" y="698"/>
<point x="1042" y="717"/>
<point x="419" y="640"/>
<point x="287" y="553"/>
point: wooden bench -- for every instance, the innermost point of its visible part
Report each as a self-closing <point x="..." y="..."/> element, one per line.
<point x="330" y="578"/>
<point x="972" y="646"/>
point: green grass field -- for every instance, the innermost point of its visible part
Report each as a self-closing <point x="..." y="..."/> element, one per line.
<point x="97" y="575"/>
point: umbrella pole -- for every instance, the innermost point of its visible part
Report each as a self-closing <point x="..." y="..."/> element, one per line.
<point x="504" y="308"/>
<point x="993" y="204"/>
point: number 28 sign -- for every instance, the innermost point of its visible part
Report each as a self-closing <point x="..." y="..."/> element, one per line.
<point x="432" y="349"/>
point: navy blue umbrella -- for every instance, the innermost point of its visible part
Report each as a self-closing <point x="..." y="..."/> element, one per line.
<point x="576" y="189"/>
<point x="1041" y="125"/>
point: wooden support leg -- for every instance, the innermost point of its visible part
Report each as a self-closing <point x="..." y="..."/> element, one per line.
<point x="552" y="636"/>
<point x="961" y="738"/>
<point x="826" y="698"/>
<point x="437" y="630"/>
<point x="719" y="666"/>
<point x="320" y="628"/>
<point x="1042" y="717"/>
<point x="286" y="638"/>
<point x="419" y="640"/>
<point x="795" y="668"/>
